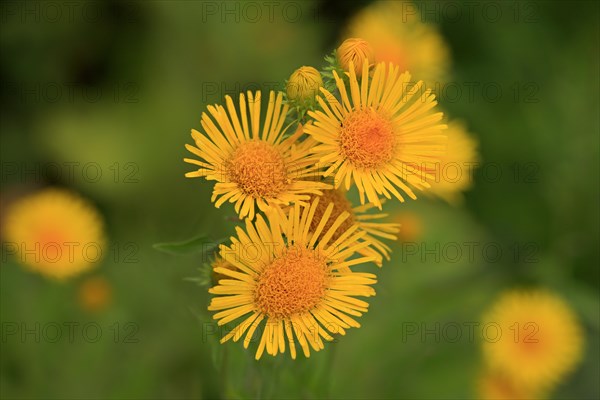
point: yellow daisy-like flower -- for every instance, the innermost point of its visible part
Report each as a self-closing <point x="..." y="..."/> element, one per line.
<point x="496" y="386"/>
<point x="535" y="339"/>
<point x="454" y="172"/>
<point x="381" y="136"/>
<point x="55" y="233"/>
<point x="360" y="216"/>
<point x="253" y="166"/>
<point x="399" y="36"/>
<point x="295" y="279"/>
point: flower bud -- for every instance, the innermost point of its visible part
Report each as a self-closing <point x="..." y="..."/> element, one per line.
<point x="304" y="84"/>
<point x="356" y="50"/>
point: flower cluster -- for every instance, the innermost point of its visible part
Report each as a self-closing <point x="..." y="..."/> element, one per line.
<point x="360" y="125"/>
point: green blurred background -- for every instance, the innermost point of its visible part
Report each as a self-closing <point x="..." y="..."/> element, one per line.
<point x="118" y="86"/>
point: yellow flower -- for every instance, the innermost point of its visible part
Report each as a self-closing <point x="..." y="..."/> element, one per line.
<point x="304" y="84"/>
<point x="454" y="172"/>
<point x="380" y="136"/>
<point x="55" y="233"/>
<point x="95" y="294"/>
<point x="352" y="53"/>
<point x="294" y="279"/>
<point x="533" y="338"/>
<point x="399" y="36"/>
<point x="360" y="216"/>
<point x="253" y="166"/>
<point x="496" y="386"/>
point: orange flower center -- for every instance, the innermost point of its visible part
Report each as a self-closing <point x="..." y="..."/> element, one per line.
<point x="293" y="283"/>
<point x="52" y="246"/>
<point x="340" y="204"/>
<point x="367" y="139"/>
<point x="258" y="169"/>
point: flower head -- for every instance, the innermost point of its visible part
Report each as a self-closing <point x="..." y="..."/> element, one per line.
<point x="380" y="135"/>
<point x="540" y="340"/>
<point x="402" y="38"/>
<point x="352" y="53"/>
<point x="304" y="84"/>
<point x="294" y="278"/>
<point x="55" y="232"/>
<point x="252" y="160"/>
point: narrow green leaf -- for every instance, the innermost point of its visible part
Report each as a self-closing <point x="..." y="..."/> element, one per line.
<point x="200" y="244"/>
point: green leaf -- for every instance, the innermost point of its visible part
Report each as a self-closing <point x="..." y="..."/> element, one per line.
<point x="199" y="244"/>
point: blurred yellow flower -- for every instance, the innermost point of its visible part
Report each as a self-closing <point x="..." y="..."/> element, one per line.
<point x="253" y="167"/>
<point x="400" y="36"/>
<point x="454" y="172"/>
<point x="380" y="135"/>
<point x="95" y="294"/>
<point x="295" y="279"/>
<point x="55" y="232"/>
<point x="539" y="339"/>
<point x="352" y="53"/>
<point x="304" y="84"/>
<point x="360" y="216"/>
<point x="496" y="386"/>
